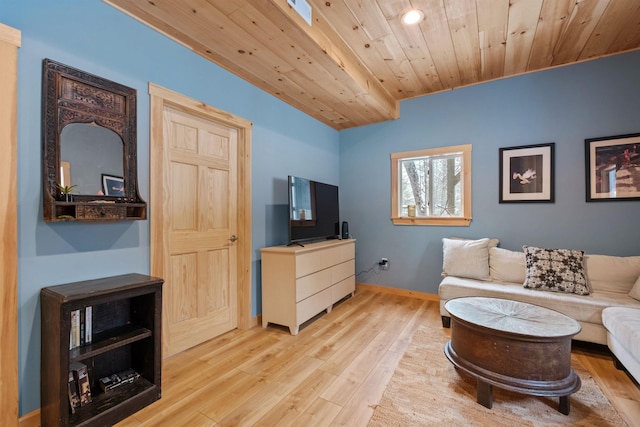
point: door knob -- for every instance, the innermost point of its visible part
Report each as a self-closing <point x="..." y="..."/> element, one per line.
<point x="233" y="238"/>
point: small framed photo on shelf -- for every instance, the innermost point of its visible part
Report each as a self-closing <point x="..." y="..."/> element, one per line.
<point x="613" y="168"/>
<point x="112" y="185"/>
<point x="527" y="174"/>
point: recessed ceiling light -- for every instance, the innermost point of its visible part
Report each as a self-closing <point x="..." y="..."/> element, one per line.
<point x="412" y="17"/>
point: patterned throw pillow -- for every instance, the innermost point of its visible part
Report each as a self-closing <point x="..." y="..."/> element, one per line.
<point x="557" y="270"/>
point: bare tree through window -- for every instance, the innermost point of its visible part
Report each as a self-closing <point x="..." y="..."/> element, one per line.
<point x="434" y="181"/>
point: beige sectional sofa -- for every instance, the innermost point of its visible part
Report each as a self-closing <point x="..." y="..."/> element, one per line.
<point x="623" y="337"/>
<point x="480" y="268"/>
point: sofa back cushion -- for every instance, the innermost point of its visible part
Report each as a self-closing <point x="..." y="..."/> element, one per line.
<point x="507" y="266"/>
<point x="635" y="291"/>
<point x="466" y="258"/>
<point x="612" y="273"/>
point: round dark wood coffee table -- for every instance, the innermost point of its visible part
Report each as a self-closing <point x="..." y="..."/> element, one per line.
<point x="513" y="345"/>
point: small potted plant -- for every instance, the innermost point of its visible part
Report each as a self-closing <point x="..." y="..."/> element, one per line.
<point x="66" y="191"/>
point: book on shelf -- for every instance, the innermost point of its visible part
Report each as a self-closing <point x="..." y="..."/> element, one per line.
<point x="81" y="332"/>
<point x="74" y="399"/>
<point x="81" y="376"/>
<point x="88" y="333"/>
<point x="82" y="329"/>
<point x="75" y="329"/>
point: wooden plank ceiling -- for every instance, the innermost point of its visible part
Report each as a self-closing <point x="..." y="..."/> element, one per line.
<point x="357" y="60"/>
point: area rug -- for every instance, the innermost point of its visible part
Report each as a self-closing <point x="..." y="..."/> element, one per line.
<point x="427" y="390"/>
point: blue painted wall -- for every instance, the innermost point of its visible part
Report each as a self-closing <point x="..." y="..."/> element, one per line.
<point x="96" y="38"/>
<point x="565" y="105"/>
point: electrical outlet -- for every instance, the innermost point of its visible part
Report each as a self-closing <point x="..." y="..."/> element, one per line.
<point x="384" y="263"/>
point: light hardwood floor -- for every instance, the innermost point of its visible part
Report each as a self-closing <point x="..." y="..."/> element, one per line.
<point x="333" y="372"/>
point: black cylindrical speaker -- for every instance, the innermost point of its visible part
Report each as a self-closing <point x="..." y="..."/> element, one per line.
<point x="345" y="230"/>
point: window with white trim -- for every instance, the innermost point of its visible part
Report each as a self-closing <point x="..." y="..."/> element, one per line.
<point x="432" y="186"/>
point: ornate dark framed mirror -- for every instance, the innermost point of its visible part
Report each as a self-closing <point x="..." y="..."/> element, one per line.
<point x="90" y="169"/>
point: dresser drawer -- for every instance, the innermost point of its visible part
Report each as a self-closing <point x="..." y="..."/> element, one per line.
<point x="343" y="288"/>
<point x="101" y="212"/>
<point x="317" y="260"/>
<point x="342" y="271"/>
<point x="313" y="305"/>
<point x="313" y="283"/>
<point x="347" y="252"/>
<point x="311" y="262"/>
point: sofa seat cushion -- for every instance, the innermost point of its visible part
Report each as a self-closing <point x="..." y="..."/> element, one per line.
<point x="624" y="324"/>
<point x="583" y="308"/>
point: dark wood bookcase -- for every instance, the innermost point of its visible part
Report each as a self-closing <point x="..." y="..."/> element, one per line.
<point x="126" y="326"/>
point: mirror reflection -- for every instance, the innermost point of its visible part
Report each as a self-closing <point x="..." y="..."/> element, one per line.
<point x="301" y="193"/>
<point x="87" y="153"/>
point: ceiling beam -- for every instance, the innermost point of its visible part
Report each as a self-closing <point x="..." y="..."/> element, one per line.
<point x="314" y="70"/>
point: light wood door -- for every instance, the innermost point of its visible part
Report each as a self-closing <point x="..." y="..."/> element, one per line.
<point x="200" y="196"/>
<point x="200" y="211"/>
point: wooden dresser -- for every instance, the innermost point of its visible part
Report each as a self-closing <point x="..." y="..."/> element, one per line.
<point x="300" y="282"/>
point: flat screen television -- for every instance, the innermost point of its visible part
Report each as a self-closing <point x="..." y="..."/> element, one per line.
<point x="314" y="212"/>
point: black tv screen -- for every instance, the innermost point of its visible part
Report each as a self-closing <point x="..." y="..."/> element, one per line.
<point x="314" y="213"/>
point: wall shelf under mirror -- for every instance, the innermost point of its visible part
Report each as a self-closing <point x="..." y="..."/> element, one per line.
<point x="89" y="148"/>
